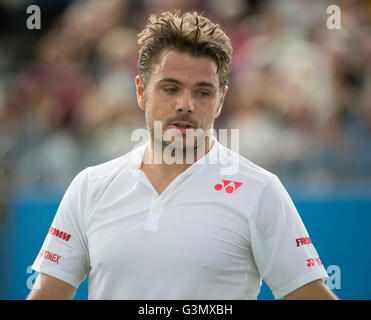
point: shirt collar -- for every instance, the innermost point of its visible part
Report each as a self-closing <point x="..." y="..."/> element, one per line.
<point x="137" y="159"/>
<point x="210" y="158"/>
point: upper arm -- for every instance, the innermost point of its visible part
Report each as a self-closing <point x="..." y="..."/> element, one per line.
<point x="49" y="288"/>
<point x="284" y="262"/>
<point x="315" y="290"/>
<point x="64" y="253"/>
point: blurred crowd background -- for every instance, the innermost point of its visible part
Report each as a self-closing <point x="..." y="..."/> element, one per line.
<point x="299" y="92"/>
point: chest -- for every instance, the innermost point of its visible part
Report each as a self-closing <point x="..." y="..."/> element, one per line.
<point x="193" y="228"/>
<point x="189" y="231"/>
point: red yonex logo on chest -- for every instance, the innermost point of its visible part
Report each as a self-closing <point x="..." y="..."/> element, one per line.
<point x="227" y="186"/>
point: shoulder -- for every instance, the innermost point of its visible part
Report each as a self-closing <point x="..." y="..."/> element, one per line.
<point x="262" y="188"/>
<point x="237" y="165"/>
<point x="91" y="183"/>
<point x="115" y="166"/>
<point x="98" y="176"/>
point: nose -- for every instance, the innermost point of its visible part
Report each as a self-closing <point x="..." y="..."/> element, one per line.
<point x="185" y="103"/>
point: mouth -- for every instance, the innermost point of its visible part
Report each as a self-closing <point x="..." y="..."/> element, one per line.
<point x="182" y="126"/>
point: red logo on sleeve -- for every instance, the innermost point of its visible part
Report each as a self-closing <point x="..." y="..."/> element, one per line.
<point x="303" y="241"/>
<point x="47" y="255"/>
<point x="313" y="261"/>
<point x="59" y="234"/>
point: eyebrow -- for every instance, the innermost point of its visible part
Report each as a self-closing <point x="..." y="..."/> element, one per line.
<point x="198" y="84"/>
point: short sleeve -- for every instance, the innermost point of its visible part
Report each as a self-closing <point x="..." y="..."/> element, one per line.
<point x="64" y="253"/>
<point x="283" y="251"/>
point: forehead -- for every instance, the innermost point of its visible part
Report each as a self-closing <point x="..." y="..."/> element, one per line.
<point x="185" y="68"/>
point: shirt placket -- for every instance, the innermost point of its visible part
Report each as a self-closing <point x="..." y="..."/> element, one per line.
<point x="154" y="214"/>
<point x="158" y="202"/>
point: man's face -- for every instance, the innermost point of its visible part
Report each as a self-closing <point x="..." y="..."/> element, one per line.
<point x="182" y="93"/>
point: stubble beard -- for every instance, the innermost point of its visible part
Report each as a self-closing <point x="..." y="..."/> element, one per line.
<point x="189" y="147"/>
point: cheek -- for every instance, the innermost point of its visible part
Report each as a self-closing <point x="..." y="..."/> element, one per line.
<point x="210" y="116"/>
<point x="153" y="114"/>
<point x="156" y="104"/>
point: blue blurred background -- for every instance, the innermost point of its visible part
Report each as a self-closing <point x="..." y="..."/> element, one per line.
<point x="300" y="94"/>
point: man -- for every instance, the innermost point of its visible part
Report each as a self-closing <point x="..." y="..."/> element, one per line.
<point x="145" y="227"/>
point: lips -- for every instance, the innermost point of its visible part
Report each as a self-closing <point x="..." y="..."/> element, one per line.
<point x="182" y="126"/>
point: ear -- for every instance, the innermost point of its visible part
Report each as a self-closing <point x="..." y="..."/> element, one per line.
<point x="218" y="111"/>
<point x="140" y="92"/>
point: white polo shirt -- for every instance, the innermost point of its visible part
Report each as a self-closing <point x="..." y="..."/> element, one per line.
<point x="209" y="235"/>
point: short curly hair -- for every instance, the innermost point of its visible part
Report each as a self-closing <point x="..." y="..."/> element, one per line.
<point x="189" y="32"/>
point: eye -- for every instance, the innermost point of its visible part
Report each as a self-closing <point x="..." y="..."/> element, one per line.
<point x="170" y="89"/>
<point x="203" y="93"/>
